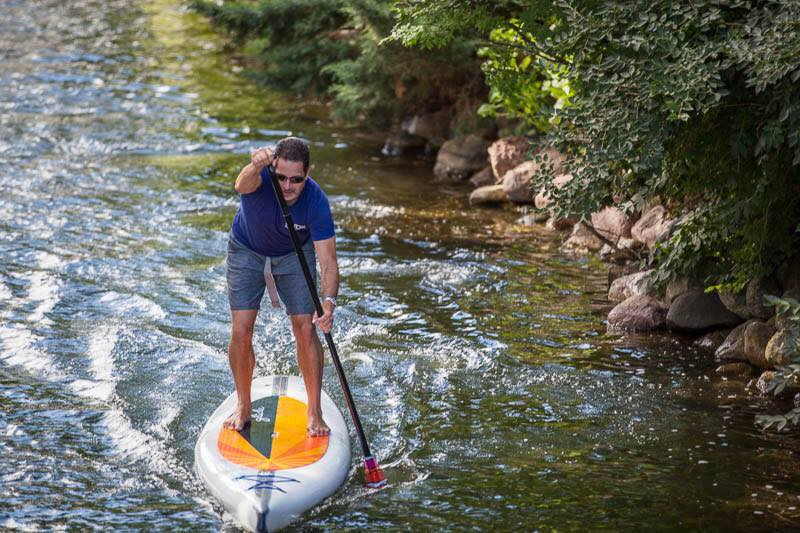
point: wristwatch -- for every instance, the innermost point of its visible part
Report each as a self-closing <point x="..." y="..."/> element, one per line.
<point x="331" y="299"/>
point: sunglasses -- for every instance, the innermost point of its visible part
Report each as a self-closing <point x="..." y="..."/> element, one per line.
<point x="282" y="178"/>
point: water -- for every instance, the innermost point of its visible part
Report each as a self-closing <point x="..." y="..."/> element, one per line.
<point x="477" y="353"/>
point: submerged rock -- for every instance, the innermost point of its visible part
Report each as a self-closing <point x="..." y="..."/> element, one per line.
<point x="532" y="219"/>
<point x="638" y="313"/>
<point x="460" y="158"/>
<point x="713" y="340"/>
<point x="488" y="195"/>
<point x="695" y="310"/>
<point x="735" y="369"/>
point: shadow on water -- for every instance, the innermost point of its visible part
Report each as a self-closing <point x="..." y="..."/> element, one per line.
<point x="477" y="353"/>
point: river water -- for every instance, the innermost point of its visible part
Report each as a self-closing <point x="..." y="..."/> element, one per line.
<point x="477" y="354"/>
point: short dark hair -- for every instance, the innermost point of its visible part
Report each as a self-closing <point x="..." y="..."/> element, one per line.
<point x="293" y="149"/>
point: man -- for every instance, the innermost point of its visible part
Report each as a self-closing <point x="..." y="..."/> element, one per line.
<point x="261" y="256"/>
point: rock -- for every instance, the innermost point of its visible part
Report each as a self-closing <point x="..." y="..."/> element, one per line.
<point x="783" y="347"/>
<point x="508" y="153"/>
<point x="756" y="290"/>
<point x="735" y="369"/>
<point x="756" y="336"/>
<point x="789" y="274"/>
<point x="532" y="219"/>
<point x="617" y="271"/>
<point x="400" y="142"/>
<point x="653" y="227"/>
<point x="460" y="158"/>
<point x="694" y="310"/>
<point x="582" y="240"/>
<point x="612" y="224"/>
<point x="434" y="127"/>
<point x="638" y="313"/>
<point x="482" y="177"/>
<point x="733" y="346"/>
<point x="517" y="182"/>
<point x="626" y="286"/>
<point x="736" y="303"/>
<point x="676" y="287"/>
<point x="561" y="224"/>
<point x="763" y="384"/>
<point x="713" y="340"/>
<point x="541" y="200"/>
<point x="490" y="194"/>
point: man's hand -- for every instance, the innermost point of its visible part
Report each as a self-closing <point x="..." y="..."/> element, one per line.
<point x="325" y="322"/>
<point x="261" y="158"/>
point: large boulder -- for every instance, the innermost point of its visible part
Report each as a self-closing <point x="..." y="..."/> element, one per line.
<point x="654" y="226"/>
<point x="434" y="127"/>
<point x="583" y="240"/>
<point x="612" y="224"/>
<point x="732" y="347"/>
<point x="756" y="336"/>
<point x="756" y="290"/>
<point x="624" y="287"/>
<point x="638" y="313"/>
<point x="488" y="195"/>
<point x="541" y="200"/>
<point x="736" y="303"/>
<point x="678" y="286"/>
<point x="697" y="311"/>
<point x="783" y="347"/>
<point x="460" y="158"/>
<point x="508" y="153"/>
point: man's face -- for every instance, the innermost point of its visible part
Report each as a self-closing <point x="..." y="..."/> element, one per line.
<point x="291" y="191"/>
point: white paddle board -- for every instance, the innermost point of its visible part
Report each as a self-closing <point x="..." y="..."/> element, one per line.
<point x="269" y="473"/>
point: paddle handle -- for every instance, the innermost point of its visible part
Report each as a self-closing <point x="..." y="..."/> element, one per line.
<point x="348" y="397"/>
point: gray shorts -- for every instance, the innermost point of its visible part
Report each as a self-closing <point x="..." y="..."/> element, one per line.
<point x="244" y="270"/>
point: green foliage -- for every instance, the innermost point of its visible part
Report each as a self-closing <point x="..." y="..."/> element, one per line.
<point x="524" y="82"/>
<point x="337" y="48"/>
<point x="695" y="104"/>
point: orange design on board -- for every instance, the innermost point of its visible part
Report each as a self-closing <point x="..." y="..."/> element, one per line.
<point x="291" y="445"/>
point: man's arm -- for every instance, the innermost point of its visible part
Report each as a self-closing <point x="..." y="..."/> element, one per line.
<point x="249" y="178"/>
<point x="329" y="269"/>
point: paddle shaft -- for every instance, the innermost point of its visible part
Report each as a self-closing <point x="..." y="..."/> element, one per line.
<point x="348" y="397"/>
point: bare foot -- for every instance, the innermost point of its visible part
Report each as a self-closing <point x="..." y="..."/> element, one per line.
<point x="316" y="426"/>
<point x="239" y="418"/>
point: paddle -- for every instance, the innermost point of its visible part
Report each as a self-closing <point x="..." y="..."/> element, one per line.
<point x="373" y="474"/>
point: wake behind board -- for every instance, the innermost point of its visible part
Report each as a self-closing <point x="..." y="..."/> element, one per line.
<point x="270" y="472"/>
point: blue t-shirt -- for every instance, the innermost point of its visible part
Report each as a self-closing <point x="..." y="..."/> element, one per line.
<point x="259" y="222"/>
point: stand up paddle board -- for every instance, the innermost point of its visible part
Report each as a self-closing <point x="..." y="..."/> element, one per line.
<point x="270" y="472"/>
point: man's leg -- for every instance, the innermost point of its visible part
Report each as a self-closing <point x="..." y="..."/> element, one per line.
<point x="242" y="360"/>
<point x="310" y="360"/>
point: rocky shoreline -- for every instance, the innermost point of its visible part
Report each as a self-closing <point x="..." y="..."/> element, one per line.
<point x="747" y="338"/>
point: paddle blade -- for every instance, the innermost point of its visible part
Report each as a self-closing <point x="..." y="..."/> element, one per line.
<point x="373" y="474"/>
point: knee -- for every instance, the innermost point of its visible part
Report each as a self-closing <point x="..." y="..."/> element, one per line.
<point x="303" y="332"/>
<point x="242" y="336"/>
